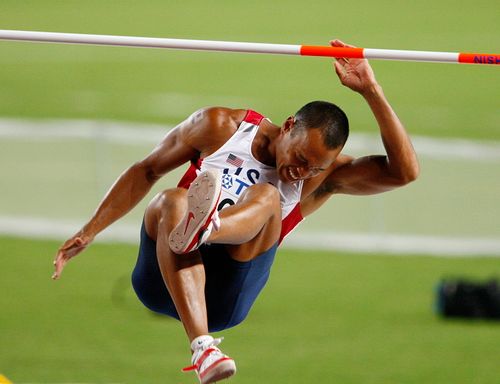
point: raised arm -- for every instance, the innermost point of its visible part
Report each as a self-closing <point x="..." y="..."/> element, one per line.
<point x="373" y="174"/>
<point x="181" y="144"/>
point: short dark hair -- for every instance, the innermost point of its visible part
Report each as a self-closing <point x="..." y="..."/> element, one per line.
<point x="327" y="117"/>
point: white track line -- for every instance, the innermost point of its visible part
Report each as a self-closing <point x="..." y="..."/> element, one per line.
<point x="136" y="133"/>
<point x="396" y="244"/>
<point x="150" y="134"/>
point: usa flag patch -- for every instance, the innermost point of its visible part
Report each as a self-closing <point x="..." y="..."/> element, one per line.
<point x="234" y="160"/>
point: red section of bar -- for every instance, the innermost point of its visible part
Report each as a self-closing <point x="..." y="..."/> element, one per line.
<point x="313" y="50"/>
<point x="479" y="58"/>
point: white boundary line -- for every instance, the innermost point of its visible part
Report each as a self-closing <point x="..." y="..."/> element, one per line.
<point x="138" y="133"/>
<point x="393" y="244"/>
<point x="149" y="134"/>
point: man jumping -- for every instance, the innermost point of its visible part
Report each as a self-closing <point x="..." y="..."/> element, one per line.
<point x="208" y="245"/>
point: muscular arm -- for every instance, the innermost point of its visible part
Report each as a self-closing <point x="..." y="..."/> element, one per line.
<point x="136" y="181"/>
<point x="199" y="134"/>
<point x="376" y="174"/>
<point x="195" y="135"/>
<point x="369" y="174"/>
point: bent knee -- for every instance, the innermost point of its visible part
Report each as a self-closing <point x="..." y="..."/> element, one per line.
<point x="170" y="203"/>
<point x="168" y="200"/>
<point x="171" y="197"/>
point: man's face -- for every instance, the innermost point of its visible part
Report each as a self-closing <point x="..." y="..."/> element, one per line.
<point x="303" y="155"/>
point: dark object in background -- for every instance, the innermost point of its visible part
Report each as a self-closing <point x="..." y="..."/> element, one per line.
<point x="468" y="299"/>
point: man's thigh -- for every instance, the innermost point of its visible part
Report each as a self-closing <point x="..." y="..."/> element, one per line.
<point x="233" y="286"/>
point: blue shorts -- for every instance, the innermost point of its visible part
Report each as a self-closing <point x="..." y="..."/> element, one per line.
<point x="230" y="290"/>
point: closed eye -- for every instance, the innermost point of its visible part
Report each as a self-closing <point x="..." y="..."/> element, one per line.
<point x="302" y="159"/>
<point x="305" y="163"/>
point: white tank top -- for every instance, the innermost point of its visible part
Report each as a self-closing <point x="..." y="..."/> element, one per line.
<point x="240" y="170"/>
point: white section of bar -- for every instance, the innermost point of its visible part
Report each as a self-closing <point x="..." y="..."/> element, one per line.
<point x="392" y="54"/>
<point x="149" y="42"/>
<point x="210" y="45"/>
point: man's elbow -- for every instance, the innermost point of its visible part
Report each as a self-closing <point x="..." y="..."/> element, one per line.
<point x="410" y="173"/>
<point x="144" y="169"/>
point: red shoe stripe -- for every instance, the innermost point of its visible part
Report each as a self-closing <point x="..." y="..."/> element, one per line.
<point x="204" y="356"/>
<point x="200" y="360"/>
<point x="209" y="368"/>
<point x="190" y="217"/>
<point x="190" y="368"/>
<point x="196" y="238"/>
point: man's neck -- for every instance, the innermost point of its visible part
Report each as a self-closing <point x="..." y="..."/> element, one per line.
<point x="264" y="143"/>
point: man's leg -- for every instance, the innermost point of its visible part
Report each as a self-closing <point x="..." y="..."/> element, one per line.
<point x="184" y="275"/>
<point x="251" y="226"/>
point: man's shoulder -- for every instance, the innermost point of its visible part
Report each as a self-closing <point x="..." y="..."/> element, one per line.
<point x="214" y="126"/>
<point x="223" y="117"/>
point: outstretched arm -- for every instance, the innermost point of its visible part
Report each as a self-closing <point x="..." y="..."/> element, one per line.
<point x="369" y="174"/>
<point x="181" y="144"/>
<point x="374" y="174"/>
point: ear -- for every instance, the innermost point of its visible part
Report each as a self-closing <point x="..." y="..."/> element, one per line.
<point x="288" y="124"/>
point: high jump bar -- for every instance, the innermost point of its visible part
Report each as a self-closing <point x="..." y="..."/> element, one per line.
<point x="230" y="46"/>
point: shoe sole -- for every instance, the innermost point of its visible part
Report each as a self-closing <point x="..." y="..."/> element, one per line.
<point x="203" y="196"/>
<point x="221" y="371"/>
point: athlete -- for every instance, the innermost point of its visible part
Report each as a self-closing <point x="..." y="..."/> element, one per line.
<point x="207" y="246"/>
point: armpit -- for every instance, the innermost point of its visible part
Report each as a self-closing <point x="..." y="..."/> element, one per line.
<point x="325" y="188"/>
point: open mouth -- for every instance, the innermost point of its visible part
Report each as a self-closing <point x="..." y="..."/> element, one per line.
<point x="292" y="174"/>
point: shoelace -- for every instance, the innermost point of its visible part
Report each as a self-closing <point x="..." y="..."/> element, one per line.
<point x="209" y="348"/>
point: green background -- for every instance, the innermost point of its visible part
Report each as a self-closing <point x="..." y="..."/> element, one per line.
<point x="120" y="83"/>
<point x="324" y="317"/>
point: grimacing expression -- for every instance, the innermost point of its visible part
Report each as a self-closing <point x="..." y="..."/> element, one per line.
<point x="303" y="155"/>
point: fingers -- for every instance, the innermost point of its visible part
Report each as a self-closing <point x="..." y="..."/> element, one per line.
<point x="339" y="69"/>
<point x="342" y="60"/>
<point x="69" y="249"/>
<point x="59" y="263"/>
<point x="65" y="253"/>
<point x="339" y="43"/>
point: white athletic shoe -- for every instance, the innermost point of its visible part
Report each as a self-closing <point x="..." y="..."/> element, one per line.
<point x="210" y="364"/>
<point x="201" y="217"/>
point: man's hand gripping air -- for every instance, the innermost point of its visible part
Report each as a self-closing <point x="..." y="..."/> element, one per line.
<point x="68" y="250"/>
